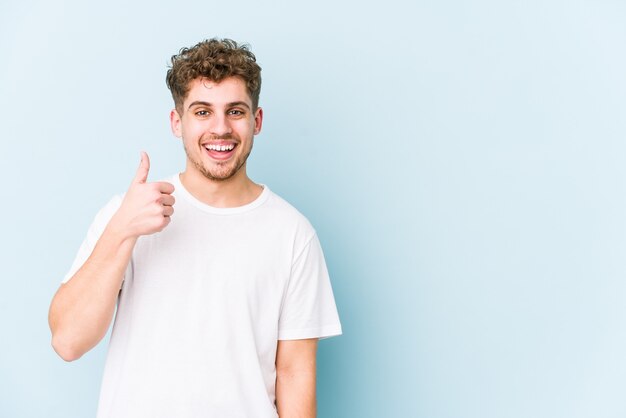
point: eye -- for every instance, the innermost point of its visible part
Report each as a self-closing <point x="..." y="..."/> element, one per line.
<point x="202" y="113"/>
<point x="235" y="112"/>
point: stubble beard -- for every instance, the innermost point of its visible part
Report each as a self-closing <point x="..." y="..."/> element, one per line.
<point x="225" y="173"/>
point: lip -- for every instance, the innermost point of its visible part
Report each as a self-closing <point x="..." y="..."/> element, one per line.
<point x="222" y="142"/>
<point x="219" y="155"/>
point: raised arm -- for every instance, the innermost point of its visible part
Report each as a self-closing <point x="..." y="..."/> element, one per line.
<point x="82" y="309"/>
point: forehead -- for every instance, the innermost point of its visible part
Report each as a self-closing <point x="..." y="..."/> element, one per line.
<point x="229" y="90"/>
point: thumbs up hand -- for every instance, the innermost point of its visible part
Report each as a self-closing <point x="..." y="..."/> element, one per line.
<point x="147" y="207"/>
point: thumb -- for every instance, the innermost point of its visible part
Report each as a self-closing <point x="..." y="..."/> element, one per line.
<point x="142" y="171"/>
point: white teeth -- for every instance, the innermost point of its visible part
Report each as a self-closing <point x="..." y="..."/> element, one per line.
<point x="219" y="147"/>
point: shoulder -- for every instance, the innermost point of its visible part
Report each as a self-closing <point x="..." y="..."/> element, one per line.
<point x="288" y="215"/>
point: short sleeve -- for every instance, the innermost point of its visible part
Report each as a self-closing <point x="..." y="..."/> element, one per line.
<point x="96" y="228"/>
<point x="309" y="309"/>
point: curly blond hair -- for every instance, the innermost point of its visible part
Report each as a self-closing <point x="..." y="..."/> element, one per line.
<point x="214" y="59"/>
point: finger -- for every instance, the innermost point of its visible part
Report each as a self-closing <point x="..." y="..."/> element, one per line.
<point x="144" y="167"/>
<point x="165" y="221"/>
<point x="164" y="187"/>
<point x="167" y="200"/>
<point x="168" y="210"/>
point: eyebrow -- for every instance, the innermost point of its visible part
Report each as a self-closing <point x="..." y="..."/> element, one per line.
<point x="207" y="104"/>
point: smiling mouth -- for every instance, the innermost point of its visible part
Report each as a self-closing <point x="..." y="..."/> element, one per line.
<point x="219" y="148"/>
<point x="220" y="151"/>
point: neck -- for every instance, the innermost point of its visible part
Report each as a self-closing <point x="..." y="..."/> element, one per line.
<point x="236" y="191"/>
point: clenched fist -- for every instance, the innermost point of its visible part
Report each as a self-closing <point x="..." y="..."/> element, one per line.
<point x="146" y="207"/>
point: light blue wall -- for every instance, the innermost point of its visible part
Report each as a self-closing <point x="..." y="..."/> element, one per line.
<point x="462" y="161"/>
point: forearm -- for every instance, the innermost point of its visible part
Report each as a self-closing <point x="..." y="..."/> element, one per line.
<point x="295" y="394"/>
<point x="82" y="309"/>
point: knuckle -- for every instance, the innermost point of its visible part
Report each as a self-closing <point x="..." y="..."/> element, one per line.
<point x="154" y="211"/>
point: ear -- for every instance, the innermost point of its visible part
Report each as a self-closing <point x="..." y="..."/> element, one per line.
<point x="175" y="123"/>
<point x="258" y="120"/>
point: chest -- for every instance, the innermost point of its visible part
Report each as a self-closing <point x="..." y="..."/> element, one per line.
<point x="242" y="261"/>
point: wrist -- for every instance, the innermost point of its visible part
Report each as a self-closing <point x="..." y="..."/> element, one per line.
<point x="118" y="232"/>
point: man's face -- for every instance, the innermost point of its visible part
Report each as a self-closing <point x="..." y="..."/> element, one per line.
<point x="217" y="126"/>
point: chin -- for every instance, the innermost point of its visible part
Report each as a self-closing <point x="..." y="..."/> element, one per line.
<point x="220" y="175"/>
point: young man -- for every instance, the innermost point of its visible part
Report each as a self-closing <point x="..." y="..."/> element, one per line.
<point x="220" y="305"/>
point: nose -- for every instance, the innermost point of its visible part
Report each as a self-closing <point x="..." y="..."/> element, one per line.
<point x="220" y="126"/>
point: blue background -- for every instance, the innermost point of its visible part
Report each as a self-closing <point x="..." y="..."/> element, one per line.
<point x="462" y="161"/>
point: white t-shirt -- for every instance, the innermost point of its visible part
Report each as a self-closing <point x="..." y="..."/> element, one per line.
<point x="203" y="304"/>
